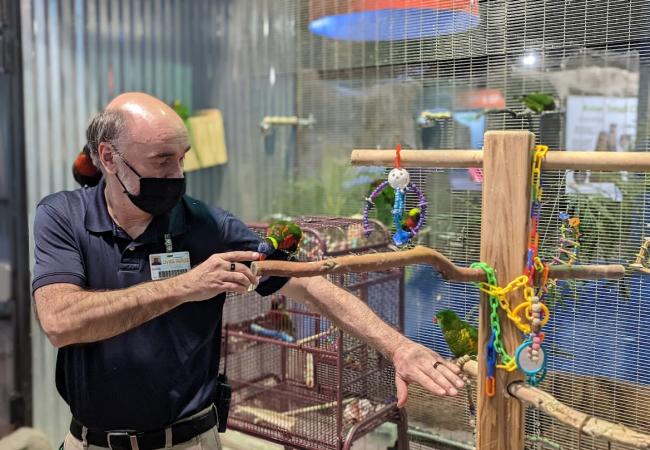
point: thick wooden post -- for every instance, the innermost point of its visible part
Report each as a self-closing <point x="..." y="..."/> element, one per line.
<point x="507" y="159"/>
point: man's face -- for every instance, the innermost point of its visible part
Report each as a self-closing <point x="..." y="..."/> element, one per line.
<point x="156" y="152"/>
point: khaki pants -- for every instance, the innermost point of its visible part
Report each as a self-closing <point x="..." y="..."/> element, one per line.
<point x="205" y="441"/>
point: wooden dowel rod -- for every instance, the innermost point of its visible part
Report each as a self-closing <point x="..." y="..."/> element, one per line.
<point x="419" y="158"/>
<point x="315" y="337"/>
<point x="586" y="272"/>
<point x="607" y="161"/>
<point x="589" y="425"/>
<point x="555" y="160"/>
<point x="418" y="255"/>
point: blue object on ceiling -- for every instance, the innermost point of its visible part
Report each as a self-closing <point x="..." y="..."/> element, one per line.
<point x="394" y="24"/>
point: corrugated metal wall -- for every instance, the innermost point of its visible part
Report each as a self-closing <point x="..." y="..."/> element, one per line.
<point x="249" y="73"/>
<point x="78" y="54"/>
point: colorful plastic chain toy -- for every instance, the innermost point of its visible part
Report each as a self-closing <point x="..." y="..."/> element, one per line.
<point x="405" y="227"/>
<point x="530" y="315"/>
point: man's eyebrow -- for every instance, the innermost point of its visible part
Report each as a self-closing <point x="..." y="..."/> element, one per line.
<point x="168" y="154"/>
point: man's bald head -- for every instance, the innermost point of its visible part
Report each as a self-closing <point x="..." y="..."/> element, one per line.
<point x="149" y="119"/>
<point x="135" y="123"/>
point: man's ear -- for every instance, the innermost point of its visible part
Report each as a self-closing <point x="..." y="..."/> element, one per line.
<point x="107" y="157"/>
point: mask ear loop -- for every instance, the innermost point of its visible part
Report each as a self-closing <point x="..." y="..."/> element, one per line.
<point x="127" y="163"/>
<point x="126" y="191"/>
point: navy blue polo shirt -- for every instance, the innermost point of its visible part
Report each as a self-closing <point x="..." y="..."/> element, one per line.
<point x="166" y="368"/>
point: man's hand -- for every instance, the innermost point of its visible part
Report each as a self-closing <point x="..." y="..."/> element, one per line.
<point x="214" y="276"/>
<point x="415" y="363"/>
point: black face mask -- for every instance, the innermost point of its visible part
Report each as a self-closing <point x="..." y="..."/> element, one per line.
<point x="157" y="195"/>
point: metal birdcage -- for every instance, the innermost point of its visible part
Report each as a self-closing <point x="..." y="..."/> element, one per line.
<point x="297" y="379"/>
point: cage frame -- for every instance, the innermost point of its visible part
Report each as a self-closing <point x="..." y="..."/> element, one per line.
<point x="389" y="412"/>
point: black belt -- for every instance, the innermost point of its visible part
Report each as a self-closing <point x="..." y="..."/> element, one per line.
<point x="181" y="432"/>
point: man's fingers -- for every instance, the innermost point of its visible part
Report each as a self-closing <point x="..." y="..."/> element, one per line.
<point x="446" y="369"/>
<point x="442" y="381"/>
<point x="430" y="383"/>
<point x="239" y="256"/>
<point x="237" y="278"/>
<point x="234" y="287"/>
<point x="402" y="391"/>
<point x="241" y="268"/>
<point x="452" y="366"/>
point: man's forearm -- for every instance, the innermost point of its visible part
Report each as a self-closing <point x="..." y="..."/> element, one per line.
<point x="80" y="316"/>
<point x="346" y="311"/>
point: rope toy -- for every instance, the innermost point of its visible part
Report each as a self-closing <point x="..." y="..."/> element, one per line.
<point x="400" y="180"/>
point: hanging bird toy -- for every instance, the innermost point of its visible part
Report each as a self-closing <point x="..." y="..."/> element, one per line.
<point x="567" y="252"/>
<point x="400" y="180"/>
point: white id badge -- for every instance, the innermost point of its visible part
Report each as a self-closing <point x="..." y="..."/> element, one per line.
<point x="166" y="265"/>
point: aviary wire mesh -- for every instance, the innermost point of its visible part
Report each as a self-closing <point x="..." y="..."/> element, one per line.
<point x="371" y="94"/>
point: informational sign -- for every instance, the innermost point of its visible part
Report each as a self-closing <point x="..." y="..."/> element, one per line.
<point x="601" y="124"/>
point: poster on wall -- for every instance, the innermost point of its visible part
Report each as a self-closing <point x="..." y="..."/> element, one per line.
<point x="601" y="124"/>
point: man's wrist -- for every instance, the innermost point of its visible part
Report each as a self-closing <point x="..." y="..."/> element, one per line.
<point x="177" y="289"/>
<point x="394" y="343"/>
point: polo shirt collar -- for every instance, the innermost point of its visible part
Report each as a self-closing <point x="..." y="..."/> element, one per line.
<point x="98" y="220"/>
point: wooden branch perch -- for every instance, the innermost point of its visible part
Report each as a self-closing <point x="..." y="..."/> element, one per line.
<point x="285" y="419"/>
<point x="555" y="160"/>
<point x="418" y="255"/>
<point x="589" y="425"/>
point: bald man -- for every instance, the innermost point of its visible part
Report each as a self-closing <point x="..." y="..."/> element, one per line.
<point x="129" y="284"/>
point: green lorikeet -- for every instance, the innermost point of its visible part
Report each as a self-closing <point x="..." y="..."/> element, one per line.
<point x="181" y="109"/>
<point x="461" y="337"/>
<point x="538" y="102"/>
<point x="281" y="235"/>
<point x="383" y="202"/>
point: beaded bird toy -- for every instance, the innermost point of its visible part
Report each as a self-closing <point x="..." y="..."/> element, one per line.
<point x="400" y="180"/>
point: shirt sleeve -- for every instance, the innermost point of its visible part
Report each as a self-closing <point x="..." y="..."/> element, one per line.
<point x="56" y="252"/>
<point x="239" y="237"/>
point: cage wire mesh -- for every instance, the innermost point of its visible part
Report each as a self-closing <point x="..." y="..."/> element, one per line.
<point x="298" y="380"/>
<point x="439" y="92"/>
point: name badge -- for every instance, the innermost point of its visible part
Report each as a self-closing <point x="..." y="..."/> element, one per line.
<point x="166" y="265"/>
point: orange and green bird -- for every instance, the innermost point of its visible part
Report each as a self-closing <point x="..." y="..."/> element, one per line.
<point x="461" y="337"/>
<point x="84" y="171"/>
<point x="281" y="235"/>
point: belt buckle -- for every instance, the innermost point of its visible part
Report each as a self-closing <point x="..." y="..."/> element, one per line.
<point x="133" y="438"/>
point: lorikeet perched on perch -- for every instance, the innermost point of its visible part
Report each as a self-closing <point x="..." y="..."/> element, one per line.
<point x="538" y="102"/>
<point x="84" y="171"/>
<point x="281" y="235"/>
<point x="461" y="337"/>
